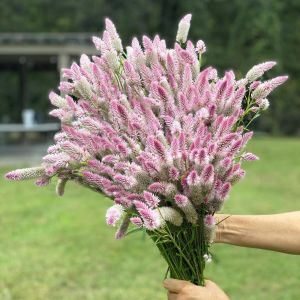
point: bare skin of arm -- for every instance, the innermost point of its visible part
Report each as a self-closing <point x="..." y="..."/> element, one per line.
<point x="279" y="232"/>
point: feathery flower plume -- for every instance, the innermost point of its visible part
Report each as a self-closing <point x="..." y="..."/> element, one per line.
<point x="137" y="221"/>
<point x="168" y="214"/>
<point x="258" y="70"/>
<point x="207" y="175"/>
<point x="209" y="224"/>
<point x="123" y="227"/>
<point x="209" y="221"/>
<point x="187" y="207"/>
<point x="200" y="47"/>
<point x="114" y="214"/>
<point x="249" y="157"/>
<point x="114" y="37"/>
<point x="43" y="181"/>
<point x="183" y="28"/>
<point x="151" y="199"/>
<point x="157" y="187"/>
<point x="24" y="174"/>
<point x="263" y="104"/>
<point x="60" y="186"/>
<point x="181" y="200"/>
<point x="265" y="88"/>
<point x="150" y="217"/>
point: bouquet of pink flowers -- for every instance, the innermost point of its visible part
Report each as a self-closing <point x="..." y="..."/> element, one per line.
<point x="161" y="137"/>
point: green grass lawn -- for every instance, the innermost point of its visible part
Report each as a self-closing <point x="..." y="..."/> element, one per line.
<point x="55" y="248"/>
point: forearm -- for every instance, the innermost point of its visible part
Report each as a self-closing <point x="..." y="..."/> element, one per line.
<point x="280" y="232"/>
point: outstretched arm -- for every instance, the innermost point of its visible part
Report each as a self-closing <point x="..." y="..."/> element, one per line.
<point x="279" y="232"/>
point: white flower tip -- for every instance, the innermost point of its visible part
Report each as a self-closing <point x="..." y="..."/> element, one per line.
<point x="95" y="39"/>
<point x="110" y="27"/>
<point x="108" y="22"/>
<point x="97" y="42"/>
<point x="84" y="60"/>
<point x="207" y="258"/>
<point x="200" y="47"/>
<point x="268" y="64"/>
<point x="183" y="28"/>
<point x="52" y="95"/>
<point x="187" y="18"/>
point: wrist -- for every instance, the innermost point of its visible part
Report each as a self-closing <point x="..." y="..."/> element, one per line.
<point x="221" y="225"/>
<point x="234" y="229"/>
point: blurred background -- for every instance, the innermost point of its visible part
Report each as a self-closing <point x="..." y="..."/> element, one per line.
<point x="54" y="248"/>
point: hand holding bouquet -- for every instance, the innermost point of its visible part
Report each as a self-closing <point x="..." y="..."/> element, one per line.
<point x="161" y="137"/>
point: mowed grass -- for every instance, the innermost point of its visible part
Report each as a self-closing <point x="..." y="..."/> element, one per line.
<point x="55" y="248"/>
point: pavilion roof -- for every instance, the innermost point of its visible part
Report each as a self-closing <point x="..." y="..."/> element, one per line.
<point x="47" y="38"/>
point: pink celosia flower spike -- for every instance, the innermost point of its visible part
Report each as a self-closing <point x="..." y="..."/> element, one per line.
<point x="150" y="217"/>
<point x="207" y="176"/>
<point x="157" y="187"/>
<point x="60" y="186"/>
<point x="187" y="207"/>
<point x="137" y="221"/>
<point x="43" y="181"/>
<point x="114" y="214"/>
<point x="114" y="37"/>
<point x="181" y="200"/>
<point x="263" y="104"/>
<point x="265" y="88"/>
<point x="209" y="220"/>
<point x="224" y="191"/>
<point x="121" y="232"/>
<point x="183" y="28"/>
<point x="151" y="199"/>
<point x="209" y="224"/>
<point x="200" y="47"/>
<point x="258" y="70"/>
<point x="24" y="174"/>
<point x="249" y="157"/>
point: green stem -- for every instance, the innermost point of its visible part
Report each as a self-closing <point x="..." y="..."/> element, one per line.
<point x="253" y="118"/>
<point x="183" y="248"/>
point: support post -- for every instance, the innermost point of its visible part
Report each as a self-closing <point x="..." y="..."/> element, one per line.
<point x="22" y="86"/>
<point x="63" y="61"/>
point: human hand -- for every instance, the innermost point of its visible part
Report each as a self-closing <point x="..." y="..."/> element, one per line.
<point x="185" y="290"/>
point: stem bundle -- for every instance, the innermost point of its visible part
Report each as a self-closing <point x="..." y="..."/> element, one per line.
<point x="184" y="250"/>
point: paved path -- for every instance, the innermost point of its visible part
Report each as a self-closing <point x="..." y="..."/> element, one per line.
<point x="19" y="155"/>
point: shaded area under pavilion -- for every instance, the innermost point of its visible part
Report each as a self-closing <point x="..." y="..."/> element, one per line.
<point x="24" y="53"/>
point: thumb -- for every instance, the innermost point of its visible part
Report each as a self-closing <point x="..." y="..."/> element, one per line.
<point x="174" y="285"/>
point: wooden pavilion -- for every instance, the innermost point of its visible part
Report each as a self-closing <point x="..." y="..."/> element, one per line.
<point x="24" y="52"/>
